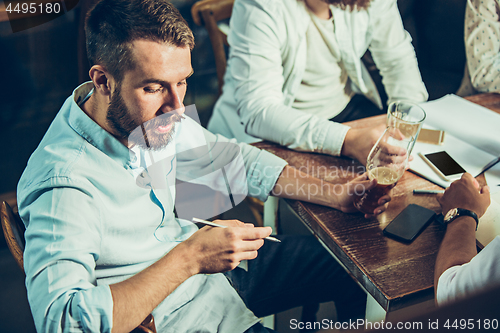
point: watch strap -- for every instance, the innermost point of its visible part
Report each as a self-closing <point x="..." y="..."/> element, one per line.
<point x="464" y="212"/>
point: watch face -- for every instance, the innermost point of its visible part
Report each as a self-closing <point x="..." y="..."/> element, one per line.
<point x="451" y="214"/>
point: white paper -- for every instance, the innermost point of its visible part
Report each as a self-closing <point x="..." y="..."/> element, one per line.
<point x="473" y="139"/>
<point x="470" y="138"/>
<point x="489" y="223"/>
<point x="469" y="157"/>
<point x="465" y="120"/>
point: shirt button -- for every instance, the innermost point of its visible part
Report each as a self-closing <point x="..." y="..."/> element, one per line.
<point x="134" y="159"/>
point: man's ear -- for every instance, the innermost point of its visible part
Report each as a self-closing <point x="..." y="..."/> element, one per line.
<point x="102" y="80"/>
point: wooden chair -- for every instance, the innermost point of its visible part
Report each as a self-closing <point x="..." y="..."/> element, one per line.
<point x="208" y="13"/>
<point x="13" y="230"/>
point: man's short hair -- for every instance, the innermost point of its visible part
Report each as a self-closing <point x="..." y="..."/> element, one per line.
<point x="112" y="25"/>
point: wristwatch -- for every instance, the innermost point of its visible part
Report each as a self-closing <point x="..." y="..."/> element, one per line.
<point x="452" y="214"/>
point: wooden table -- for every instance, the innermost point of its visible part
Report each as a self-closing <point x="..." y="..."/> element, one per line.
<point x="396" y="275"/>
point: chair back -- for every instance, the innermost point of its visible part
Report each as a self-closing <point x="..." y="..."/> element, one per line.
<point x="208" y="13"/>
<point x="13" y="230"/>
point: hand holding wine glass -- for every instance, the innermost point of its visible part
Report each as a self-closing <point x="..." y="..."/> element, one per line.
<point x="388" y="158"/>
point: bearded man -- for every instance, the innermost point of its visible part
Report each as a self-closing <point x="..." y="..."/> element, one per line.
<point x="104" y="247"/>
<point x="295" y="72"/>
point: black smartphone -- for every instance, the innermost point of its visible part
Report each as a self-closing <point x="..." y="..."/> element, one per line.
<point x="409" y="223"/>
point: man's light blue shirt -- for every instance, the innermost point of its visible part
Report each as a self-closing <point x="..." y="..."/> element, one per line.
<point x="96" y="214"/>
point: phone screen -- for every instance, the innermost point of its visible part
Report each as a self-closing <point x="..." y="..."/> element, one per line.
<point x="409" y="223"/>
<point x="445" y="163"/>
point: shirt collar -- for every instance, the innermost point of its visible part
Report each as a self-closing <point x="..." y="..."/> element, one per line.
<point x="91" y="131"/>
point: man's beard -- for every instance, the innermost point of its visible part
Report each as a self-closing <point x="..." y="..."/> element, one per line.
<point x="144" y="135"/>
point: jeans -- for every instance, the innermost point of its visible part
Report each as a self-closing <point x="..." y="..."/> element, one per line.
<point x="297" y="271"/>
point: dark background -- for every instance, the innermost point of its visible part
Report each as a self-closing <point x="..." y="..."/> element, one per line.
<point x="39" y="70"/>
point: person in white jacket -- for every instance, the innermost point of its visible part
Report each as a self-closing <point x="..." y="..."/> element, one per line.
<point x="294" y="65"/>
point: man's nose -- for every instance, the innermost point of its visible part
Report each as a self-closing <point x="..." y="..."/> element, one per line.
<point x="173" y="103"/>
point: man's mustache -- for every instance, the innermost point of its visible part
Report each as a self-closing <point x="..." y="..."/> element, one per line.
<point x="164" y="120"/>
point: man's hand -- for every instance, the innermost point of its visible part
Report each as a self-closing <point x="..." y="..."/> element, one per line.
<point x="359" y="141"/>
<point x="465" y="193"/>
<point x="459" y="243"/>
<point x="357" y="186"/>
<point x="216" y="250"/>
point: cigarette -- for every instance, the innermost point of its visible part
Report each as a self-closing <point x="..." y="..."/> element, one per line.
<point x="197" y="220"/>
<point x="428" y="191"/>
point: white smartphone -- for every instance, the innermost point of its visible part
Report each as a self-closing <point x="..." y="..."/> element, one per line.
<point x="444" y="165"/>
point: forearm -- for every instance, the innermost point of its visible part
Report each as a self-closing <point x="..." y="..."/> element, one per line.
<point x="298" y="185"/>
<point x="458" y="246"/>
<point x="136" y="297"/>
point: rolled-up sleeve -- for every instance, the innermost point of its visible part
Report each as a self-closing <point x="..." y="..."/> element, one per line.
<point x="62" y="247"/>
<point x="482" y="272"/>
<point x="263" y="171"/>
